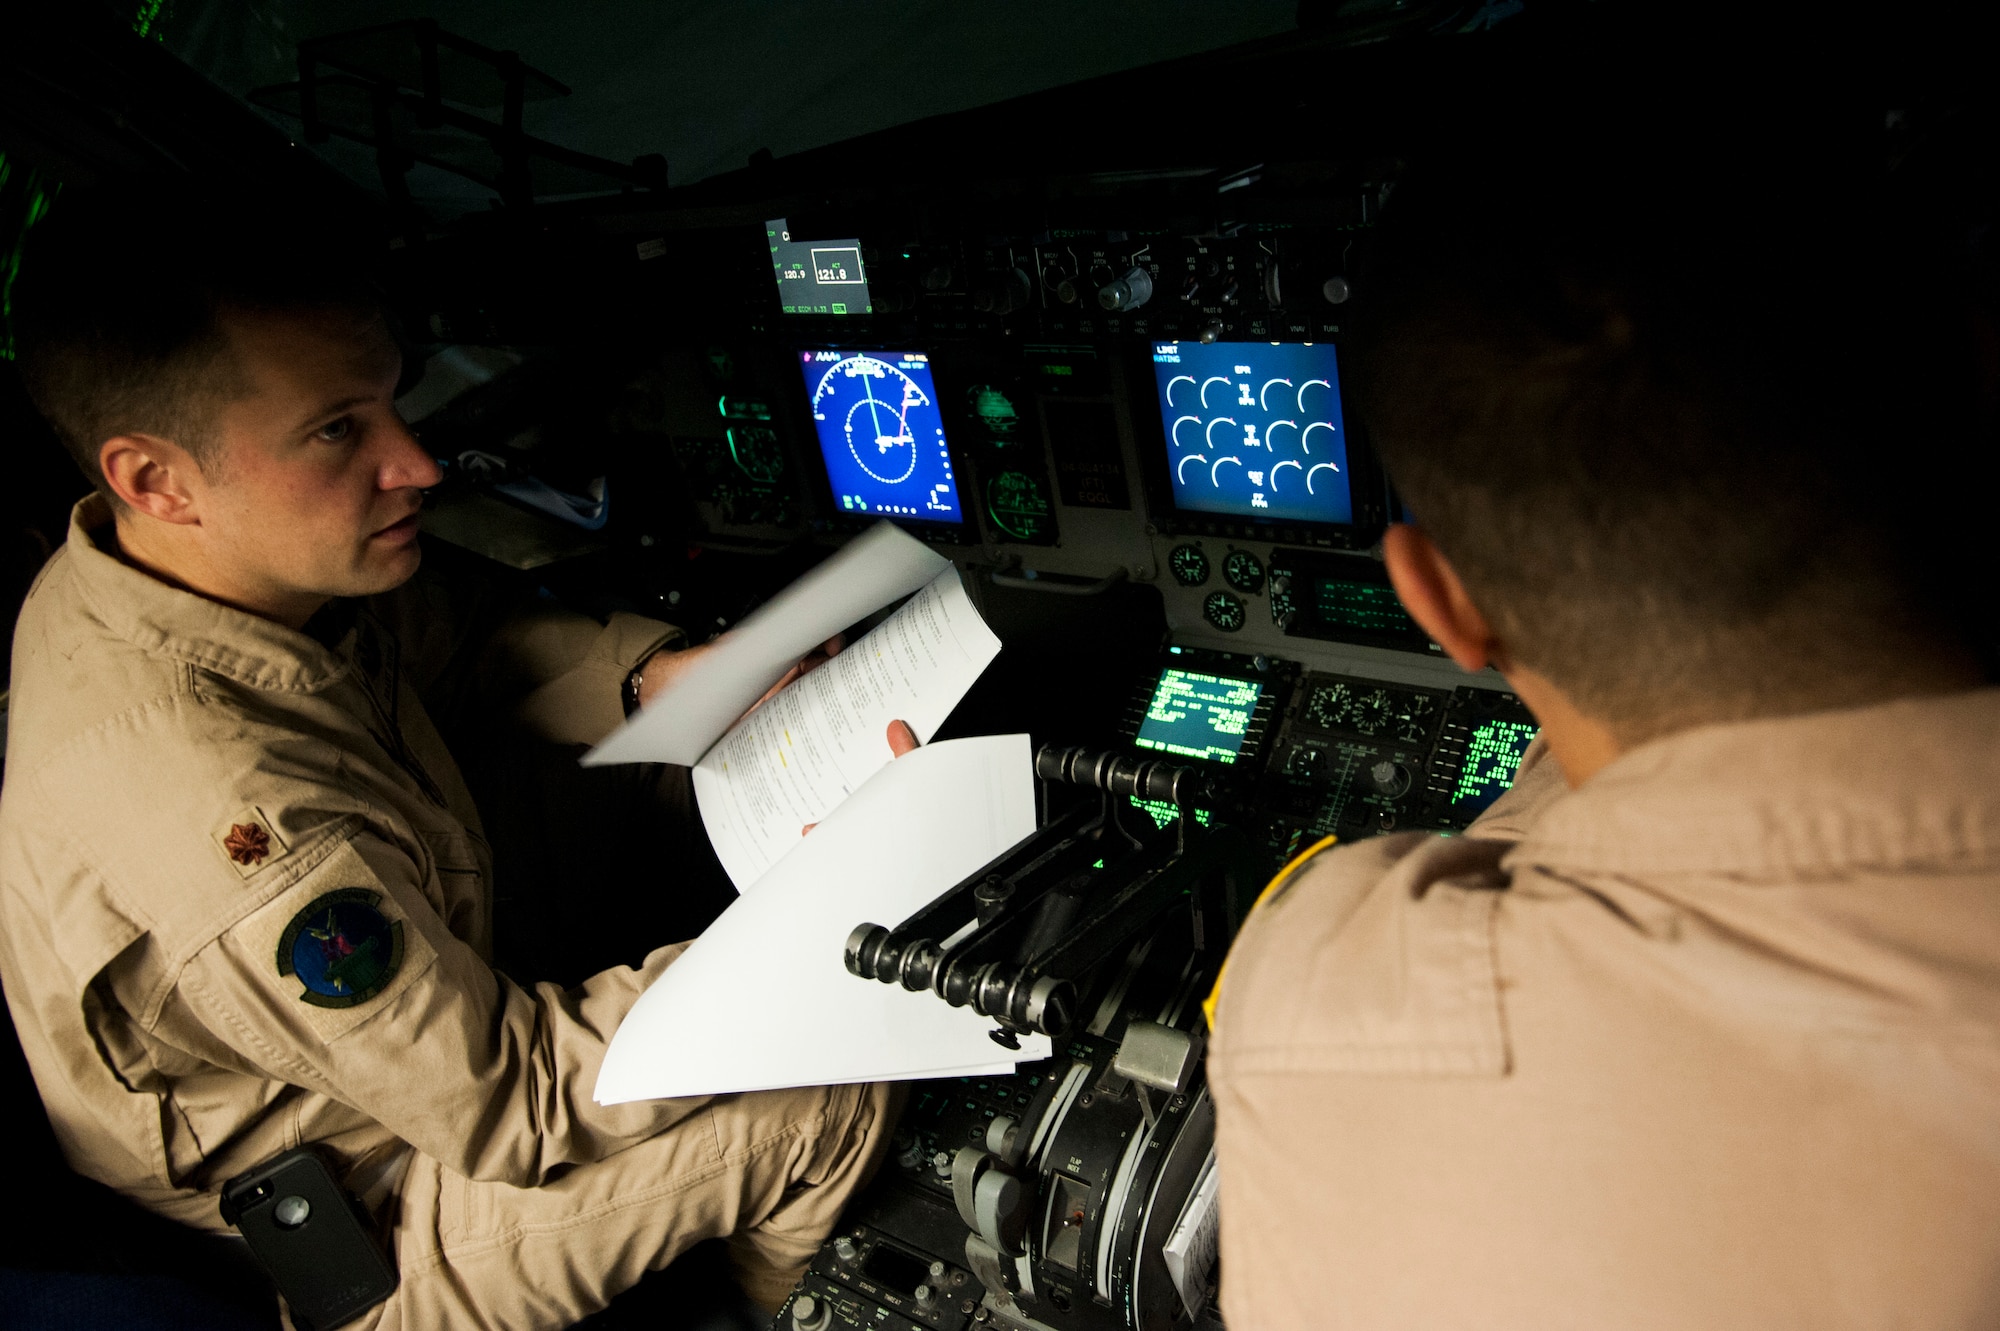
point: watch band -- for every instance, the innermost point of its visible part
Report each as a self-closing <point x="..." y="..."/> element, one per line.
<point x="629" y="695"/>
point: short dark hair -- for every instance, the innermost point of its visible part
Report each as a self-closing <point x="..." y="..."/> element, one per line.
<point x="1673" y="409"/>
<point x="118" y="309"/>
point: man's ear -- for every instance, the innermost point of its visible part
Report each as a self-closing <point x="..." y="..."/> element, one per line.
<point x="1431" y="591"/>
<point x="152" y="476"/>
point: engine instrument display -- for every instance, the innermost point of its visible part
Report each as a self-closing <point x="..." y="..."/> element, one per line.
<point x="1254" y="430"/>
<point x="1197" y="715"/>
<point x="881" y="435"/>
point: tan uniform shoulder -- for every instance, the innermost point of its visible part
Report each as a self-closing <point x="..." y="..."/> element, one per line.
<point x="1375" y="957"/>
<point x="145" y="794"/>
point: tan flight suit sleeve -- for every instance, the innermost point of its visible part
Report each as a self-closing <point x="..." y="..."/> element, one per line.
<point x="476" y="644"/>
<point x="488" y="1078"/>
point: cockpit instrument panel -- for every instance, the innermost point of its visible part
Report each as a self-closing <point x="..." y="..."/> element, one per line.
<point x="881" y="436"/>
<point x="1254" y="442"/>
<point x="1340" y="598"/>
<point x="1305" y="754"/>
<point x="1198" y="715"/>
<point x="824" y="277"/>
<point x="1255" y="430"/>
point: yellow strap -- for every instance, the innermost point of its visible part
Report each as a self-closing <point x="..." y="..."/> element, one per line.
<point x="1283" y="876"/>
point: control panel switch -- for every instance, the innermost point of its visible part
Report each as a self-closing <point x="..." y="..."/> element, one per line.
<point x="811" y="1314"/>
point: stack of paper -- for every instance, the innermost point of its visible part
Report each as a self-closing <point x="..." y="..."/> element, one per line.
<point x="762" y="999"/>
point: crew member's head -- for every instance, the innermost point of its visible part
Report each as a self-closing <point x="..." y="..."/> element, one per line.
<point x="225" y="378"/>
<point x="1686" y="435"/>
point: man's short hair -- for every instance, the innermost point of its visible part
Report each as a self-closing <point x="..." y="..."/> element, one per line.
<point x="1684" y="417"/>
<point x="118" y="308"/>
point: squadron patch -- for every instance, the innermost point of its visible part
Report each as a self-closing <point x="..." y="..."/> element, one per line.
<point x="341" y="948"/>
<point x="251" y="842"/>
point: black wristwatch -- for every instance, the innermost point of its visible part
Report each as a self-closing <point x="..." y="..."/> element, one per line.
<point x="629" y="695"/>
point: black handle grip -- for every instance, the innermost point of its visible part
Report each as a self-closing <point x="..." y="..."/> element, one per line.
<point x="1122" y="774"/>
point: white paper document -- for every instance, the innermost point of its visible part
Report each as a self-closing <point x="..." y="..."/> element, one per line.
<point x="763" y="998"/>
<point x="799" y="755"/>
<point x="681" y="724"/>
<point x="1191" y="1249"/>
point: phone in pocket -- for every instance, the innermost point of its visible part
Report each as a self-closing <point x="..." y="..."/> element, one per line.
<point x="311" y="1236"/>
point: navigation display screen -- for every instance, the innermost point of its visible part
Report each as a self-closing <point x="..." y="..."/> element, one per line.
<point x="1254" y="430"/>
<point x="881" y="434"/>
<point x="817" y="276"/>
<point x="1193" y="715"/>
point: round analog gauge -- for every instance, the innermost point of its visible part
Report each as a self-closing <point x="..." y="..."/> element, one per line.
<point x="1413" y="726"/>
<point x="756" y="451"/>
<point x="1372" y="711"/>
<point x="1189" y="565"/>
<point x="1223" y="611"/>
<point x="1018" y="505"/>
<point x="1244" y="571"/>
<point x="993" y="409"/>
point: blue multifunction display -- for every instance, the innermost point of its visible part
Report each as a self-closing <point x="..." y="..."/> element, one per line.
<point x="881" y="434"/>
<point x="1254" y="430"/>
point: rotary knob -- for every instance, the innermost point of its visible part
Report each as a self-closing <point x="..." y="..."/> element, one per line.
<point x="1391" y="779"/>
<point x="811" y="1314"/>
<point x="1128" y="292"/>
<point x="844" y="1249"/>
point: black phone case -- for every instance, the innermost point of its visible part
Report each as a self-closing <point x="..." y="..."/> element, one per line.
<point x="320" y="1254"/>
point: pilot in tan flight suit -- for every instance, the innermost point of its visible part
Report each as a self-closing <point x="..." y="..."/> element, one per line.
<point x="1699" y="1027"/>
<point x="244" y="898"/>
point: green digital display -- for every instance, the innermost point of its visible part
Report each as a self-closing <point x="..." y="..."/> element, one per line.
<point x="1492" y="757"/>
<point x="1195" y="715"/>
<point x="1163" y="814"/>
<point x="1366" y="607"/>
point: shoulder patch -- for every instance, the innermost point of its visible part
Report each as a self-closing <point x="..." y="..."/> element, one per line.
<point x="251" y="842"/>
<point x="341" y="948"/>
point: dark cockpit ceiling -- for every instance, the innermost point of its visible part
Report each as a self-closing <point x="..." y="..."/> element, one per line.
<point x="710" y="82"/>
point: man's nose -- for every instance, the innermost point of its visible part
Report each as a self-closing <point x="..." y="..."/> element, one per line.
<point x="407" y="464"/>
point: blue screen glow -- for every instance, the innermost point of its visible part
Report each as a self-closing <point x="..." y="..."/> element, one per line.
<point x="1254" y="430"/>
<point x="881" y="435"/>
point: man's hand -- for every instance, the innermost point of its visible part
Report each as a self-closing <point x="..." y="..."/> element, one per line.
<point x="808" y="663"/>
<point x="663" y="667"/>
<point x="901" y="739"/>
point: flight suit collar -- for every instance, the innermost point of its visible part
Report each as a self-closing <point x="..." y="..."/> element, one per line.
<point x="182" y="626"/>
<point x="1911" y="784"/>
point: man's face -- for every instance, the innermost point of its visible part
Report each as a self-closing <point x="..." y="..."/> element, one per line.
<point x="314" y="484"/>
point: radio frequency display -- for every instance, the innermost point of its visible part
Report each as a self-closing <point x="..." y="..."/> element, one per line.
<point x="817" y="276"/>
